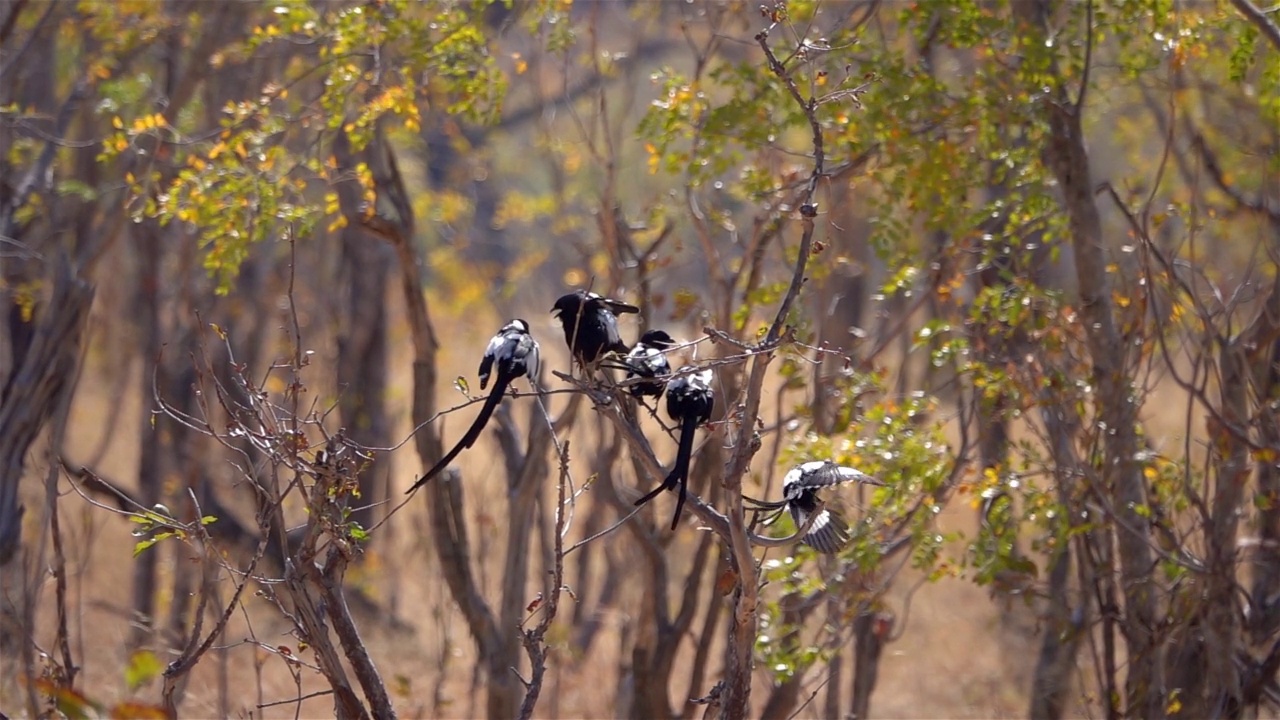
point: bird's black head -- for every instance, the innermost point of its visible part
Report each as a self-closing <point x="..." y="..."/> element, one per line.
<point x="657" y="339"/>
<point x="517" y="324"/>
<point x="571" y="304"/>
<point x="580" y="299"/>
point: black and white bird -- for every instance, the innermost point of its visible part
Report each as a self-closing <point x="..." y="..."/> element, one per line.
<point x="690" y="401"/>
<point x="829" y="532"/>
<point x="648" y="362"/>
<point x="512" y="353"/>
<point x="591" y="324"/>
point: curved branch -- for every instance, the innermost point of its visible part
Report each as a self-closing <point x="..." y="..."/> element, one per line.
<point x="1255" y="15"/>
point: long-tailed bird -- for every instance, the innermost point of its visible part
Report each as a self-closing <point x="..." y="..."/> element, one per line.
<point x="690" y="401"/>
<point x="515" y="353"/>
<point x="591" y="324"/>
<point x="648" y="362"/>
<point x="829" y="532"/>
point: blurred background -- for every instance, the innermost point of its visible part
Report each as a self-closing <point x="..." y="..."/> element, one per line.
<point x="1039" y="303"/>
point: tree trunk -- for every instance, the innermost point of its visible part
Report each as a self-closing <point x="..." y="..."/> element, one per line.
<point x="43" y="373"/>
<point x="362" y="357"/>
<point x="870" y="632"/>
<point x="786" y="694"/>
<point x="1114" y="392"/>
<point x="1265" y="593"/>
<point x="154" y="369"/>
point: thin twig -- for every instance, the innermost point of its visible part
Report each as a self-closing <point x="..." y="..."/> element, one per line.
<point x="299" y="699"/>
<point x="535" y="639"/>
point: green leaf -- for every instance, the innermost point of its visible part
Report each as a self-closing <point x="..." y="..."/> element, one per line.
<point x="142" y="546"/>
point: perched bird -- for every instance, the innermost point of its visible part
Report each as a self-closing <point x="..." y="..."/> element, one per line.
<point x="515" y="353"/>
<point x="829" y="532"/>
<point x="690" y="401"/>
<point x="647" y="361"/>
<point x="591" y="324"/>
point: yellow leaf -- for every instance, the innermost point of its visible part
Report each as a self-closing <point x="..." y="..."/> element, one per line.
<point x="275" y="384"/>
<point x="117" y="123"/>
<point x="521" y="66"/>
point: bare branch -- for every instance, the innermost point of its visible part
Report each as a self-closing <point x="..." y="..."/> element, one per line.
<point x="535" y="639"/>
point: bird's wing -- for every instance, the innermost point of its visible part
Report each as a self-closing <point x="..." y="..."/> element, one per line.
<point x="528" y="351"/>
<point x="827" y="534"/>
<point x="820" y="474"/>
<point x="620" y="307"/>
<point x="848" y="474"/>
<point x="486" y="362"/>
<point x="646" y="361"/>
<point x="636" y="358"/>
<point x="613" y="336"/>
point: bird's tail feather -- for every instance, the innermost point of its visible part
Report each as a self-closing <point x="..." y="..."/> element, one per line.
<point x="473" y="433"/>
<point x="679" y="471"/>
<point x="683" y="457"/>
<point x="486" y="411"/>
<point x="652" y="494"/>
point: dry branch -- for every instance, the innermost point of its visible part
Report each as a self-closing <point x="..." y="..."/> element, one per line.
<point x="41" y="376"/>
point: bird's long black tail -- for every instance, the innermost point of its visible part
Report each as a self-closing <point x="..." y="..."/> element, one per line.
<point x="678" y="477"/>
<point x="764" y="504"/>
<point x="486" y="411"/>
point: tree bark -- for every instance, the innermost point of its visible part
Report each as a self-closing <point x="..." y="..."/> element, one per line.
<point x="362" y="357"/>
<point x="151" y="438"/>
<point x="42" y="375"/>
<point x="870" y="632"/>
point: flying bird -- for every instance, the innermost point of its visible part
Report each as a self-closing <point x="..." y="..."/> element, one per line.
<point x="648" y="361"/>
<point x="690" y="401"/>
<point x="591" y="324"/>
<point x="829" y="532"/>
<point x="515" y="353"/>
